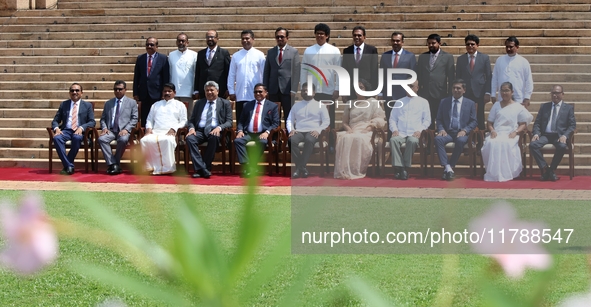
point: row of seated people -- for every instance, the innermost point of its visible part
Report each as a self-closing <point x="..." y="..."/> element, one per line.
<point x="354" y="147"/>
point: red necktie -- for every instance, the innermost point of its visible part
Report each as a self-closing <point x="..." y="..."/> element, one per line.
<point x="395" y="60"/>
<point x="149" y="64"/>
<point x="471" y="63"/>
<point x="280" y="59"/>
<point x="255" y="124"/>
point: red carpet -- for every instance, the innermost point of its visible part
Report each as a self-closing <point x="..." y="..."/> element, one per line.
<point x="27" y="174"/>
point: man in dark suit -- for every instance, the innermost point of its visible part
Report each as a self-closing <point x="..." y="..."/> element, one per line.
<point x="213" y="64"/>
<point x="283" y="62"/>
<point x="435" y="72"/>
<point x="456" y="118"/>
<point x="73" y="117"/>
<point x="210" y="116"/>
<point x="259" y="118"/>
<point x="362" y="56"/>
<point x="554" y="124"/>
<point x="120" y="115"/>
<point x="398" y="57"/>
<point x="474" y="68"/>
<point x="151" y="72"/>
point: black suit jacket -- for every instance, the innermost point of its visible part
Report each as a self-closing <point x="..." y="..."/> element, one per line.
<point x="565" y="122"/>
<point x="85" y="115"/>
<point x="270" y="116"/>
<point x="435" y="84"/>
<point x="223" y="113"/>
<point x="367" y="66"/>
<point x="217" y="71"/>
<point x="477" y="81"/>
<point x="467" y="115"/>
<point x="150" y="87"/>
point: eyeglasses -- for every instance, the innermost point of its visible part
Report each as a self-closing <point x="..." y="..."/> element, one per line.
<point x="280" y="36"/>
<point x="74" y="91"/>
<point x="150" y="45"/>
<point x="470" y="44"/>
<point x="258" y="92"/>
<point x="210" y="37"/>
<point x="556" y="93"/>
<point x="117" y="89"/>
<point x="180" y="40"/>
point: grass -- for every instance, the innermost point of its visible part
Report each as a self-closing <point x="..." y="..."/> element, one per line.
<point x="408" y="280"/>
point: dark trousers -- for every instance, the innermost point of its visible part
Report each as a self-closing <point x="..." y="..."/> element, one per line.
<point x="460" y="142"/>
<point x="60" y="146"/>
<point x="300" y="159"/>
<point x="285" y="100"/>
<point x="434" y="108"/>
<point x="240" y="145"/>
<point x="193" y="141"/>
<point x="535" y="149"/>
<point x="479" y="109"/>
<point x="239" y="107"/>
<point x="146" y="106"/>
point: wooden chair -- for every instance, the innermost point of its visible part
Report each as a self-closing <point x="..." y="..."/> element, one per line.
<point x="550" y="149"/>
<point x="384" y="152"/>
<point x="88" y="144"/>
<point x="472" y="145"/>
<point x="522" y="148"/>
<point x="320" y="147"/>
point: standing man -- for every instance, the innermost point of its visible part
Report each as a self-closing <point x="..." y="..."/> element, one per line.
<point x="182" y="70"/>
<point x="213" y="64"/>
<point x="554" y="124"/>
<point x="474" y="68"/>
<point x="456" y="118"/>
<point x="398" y="57"/>
<point x="119" y="116"/>
<point x="150" y="73"/>
<point x="515" y="69"/>
<point x="322" y="54"/>
<point x="211" y="116"/>
<point x="435" y="72"/>
<point x="304" y="124"/>
<point x="408" y="119"/>
<point x="72" y="118"/>
<point x="362" y="56"/>
<point x="259" y="118"/>
<point x="158" y="144"/>
<point x="281" y="71"/>
<point x="246" y="70"/>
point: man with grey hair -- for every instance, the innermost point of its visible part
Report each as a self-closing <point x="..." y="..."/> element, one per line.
<point x="210" y="116"/>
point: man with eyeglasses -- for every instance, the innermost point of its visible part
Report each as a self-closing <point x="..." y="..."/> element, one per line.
<point x="474" y="68"/>
<point x="364" y="58"/>
<point x="182" y="64"/>
<point x="151" y="72"/>
<point x="259" y="117"/>
<point x="282" y="68"/>
<point x="72" y="118"/>
<point x="213" y="64"/>
<point x="515" y="69"/>
<point x="120" y="116"/>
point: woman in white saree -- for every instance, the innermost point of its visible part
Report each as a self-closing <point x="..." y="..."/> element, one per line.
<point x="501" y="153"/>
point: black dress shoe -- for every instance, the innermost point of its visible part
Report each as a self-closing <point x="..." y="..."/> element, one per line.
<point x="304" y="173"/>
<point x="116" y="169"/>
<point x="64" y="171"/>
<point x="545" y="174"/>
<point x="196" y="175"/>
<point x="204" y="173"/>
<point x="70" y="170"/>
<point x="110" y="169"/>
<point x="401" y="175"/>
<point x="552" y="176"/>
<point x="296" y="174"/>
<point x="451" y="176"/>
<point x="245" y="174"/>
<point x="444" y="177"/>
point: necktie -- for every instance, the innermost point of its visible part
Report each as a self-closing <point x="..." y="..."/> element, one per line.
<point x="208" y="118"/>
<point x="115" y="126"/>
<point x="210" y="57"/>
<point x="255" y="124"/>
<point x="471" y="63"/>
<point x="432" y="61"/>
<point x="395" y="60"/>
<point x="149" y="64"/>
<point x="455" y="121"/>
<point x="280" y="59"/>
<point x="75" y="117"/>
<point x="358" y="55"/>
<point x="554" y="113"/>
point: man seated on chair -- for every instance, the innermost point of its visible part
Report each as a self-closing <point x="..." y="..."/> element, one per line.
<point x="259" y="117"/>
<point x="210" y="116"/>
<point x="409" y="116"/>
<point x="73" y="117"/>
<point x="456" y="118"/>
<point x="554" y="124"/>
<point x="305" y="122"/>
<point x="120" y="115"/>
<point x="159" y="142"/>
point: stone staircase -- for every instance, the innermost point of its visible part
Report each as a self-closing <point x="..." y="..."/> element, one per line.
<point x="96" y="42"/>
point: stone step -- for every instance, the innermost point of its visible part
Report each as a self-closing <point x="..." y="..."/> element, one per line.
<point x="18" y="123"/>
<point x="75" y="68"/>
<point x="58" y="60"/>
<point x="23" y="133"/>
<point x="68" y="76"/>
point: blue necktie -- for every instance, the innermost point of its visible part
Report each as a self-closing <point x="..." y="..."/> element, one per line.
<point x="455" y="121"/>
<point x="116" y="120"/>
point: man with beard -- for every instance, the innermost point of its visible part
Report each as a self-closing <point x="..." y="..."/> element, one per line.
<point x="213" y="64"/>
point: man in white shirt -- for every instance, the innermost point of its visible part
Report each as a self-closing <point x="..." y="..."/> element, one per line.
<point x="304" y="124"/>
<point x="513" y="68"/>
<point x="409" y="117"/>
<point x="158" y="144"/>
<point x="246" y="70"/>
<point x="182" y="64"/>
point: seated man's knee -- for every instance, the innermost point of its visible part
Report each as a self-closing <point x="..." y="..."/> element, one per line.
<point x="536" y="145"/>
<point x="560" y="146"/>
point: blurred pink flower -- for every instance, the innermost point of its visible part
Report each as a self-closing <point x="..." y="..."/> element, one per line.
<point x="30" y="240"/>
<point x="514" y="257"/>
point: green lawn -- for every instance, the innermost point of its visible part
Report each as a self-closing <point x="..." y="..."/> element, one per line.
<point x="407" y="280"/>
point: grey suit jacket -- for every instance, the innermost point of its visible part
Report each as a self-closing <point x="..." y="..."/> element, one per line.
<point x="565" y="123"/>
<point x="435" y="83"/>
<point x="282" y="77"/>
<point x="223" y="113"/>
<point x="406" y="60"/>
<point x="477" y="81"/>
<point x="467" y="115"/>
<point x="128" y="114"/>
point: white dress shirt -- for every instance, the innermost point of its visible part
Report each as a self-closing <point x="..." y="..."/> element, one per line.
<point x="549" y="126"/>
<point x="260" y="118"/>
<point x="182" y="71"/>
<point x="246" y="70"/>
<point x="516" y="70"/>
<point x="324" y="55"/>
<point x="308" y="116"/>
<point x="72" y="103"/>
<point x="410" y="114"/>
<point x="167" y="114"/>
<point x="214" y="118"/>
